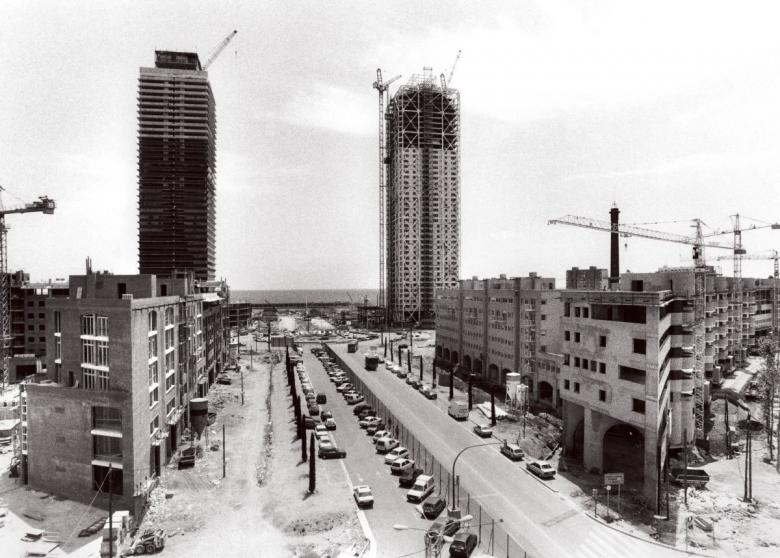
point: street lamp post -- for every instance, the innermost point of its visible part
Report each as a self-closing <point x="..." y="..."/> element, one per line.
<point x="454" y="510"/>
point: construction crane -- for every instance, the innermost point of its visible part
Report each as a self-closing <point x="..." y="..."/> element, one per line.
<point x="445" y="82"/>
<point x="218" y="50"/>
<point x="382" y="86"/>
<point x="700" y="287"/>
<point x="45" y="205"/>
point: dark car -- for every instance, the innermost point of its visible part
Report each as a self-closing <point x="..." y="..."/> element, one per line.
<point x="187" y="458"/>
<point x="322" y="398"/>
<point x="225" y="380"/>
<point x="367" y="412"/>
<point x="433" y="507"/>
<point x="407" y="478"/>
<point x="325" y="414"/>
<point x="414" y="382"/>
<point x="463" y="545"/>
<point x="331" y="453"/>
<point x="359" y="408"/>
<point x="446" y="527"/>
<point x="309" y="422"/>
<point x="314" y="409"/>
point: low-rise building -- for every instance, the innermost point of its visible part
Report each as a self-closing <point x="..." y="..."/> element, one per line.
<point x="239" y="314"/>
<point x="126" y="355"/>
<point x="592" y="279"/>
<point x="493" y="327"/>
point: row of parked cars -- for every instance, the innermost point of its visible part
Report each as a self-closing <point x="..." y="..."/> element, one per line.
<point x="399" y="371"/>
<point x="319" y="419"/>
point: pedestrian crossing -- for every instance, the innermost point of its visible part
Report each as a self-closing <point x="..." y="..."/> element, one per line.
<point x="603" y="542"/>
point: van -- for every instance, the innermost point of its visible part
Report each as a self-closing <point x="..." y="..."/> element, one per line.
<point x="422" y="488"/>
<point x="384" y="445"/>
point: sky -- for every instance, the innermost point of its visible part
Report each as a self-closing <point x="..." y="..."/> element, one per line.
<point x="668" y="109"/>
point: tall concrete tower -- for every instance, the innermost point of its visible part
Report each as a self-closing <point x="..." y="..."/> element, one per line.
<point x="177" y="131"/>
<point x="423" y="197"/>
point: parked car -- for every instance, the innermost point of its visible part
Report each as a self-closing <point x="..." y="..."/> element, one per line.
<point x="483" y="430"/>
<point x="463" y="545"/>
<point x="429" y="392"/>
<point x="364" y="498"/>
<point x="541" y="469"/>
<point x="331" y="453"/>
<point x="384" y="445"/>
<point x="407" y="478"/>
<point x="325" y="442"/>
<point x="321" y="399"/>
<point x="396" y="453"/>
<point x="380" y="434"/>
<point x="432" y="507"/>
<point x="694" y="477"/>
<point x="326" y="414"/>
<point x="375" y="427"/>
<point x="353" y="398"/>
<point x="309" y="422"/>
<point x="330" y="423"/>
<point x="359" y="408"/>
<point x="366" y="413"/>
<point x="401" y="373"/>
<point x="346" y="386"/>
<point x="423" y="486"/>
<point x="400" y="465"/>
<point x="314" y="409"/>
<point x="365" y="422"/>
<point x="223" y="379"/>
<point x="512" y="451"/>
<point x="320" y="429"/>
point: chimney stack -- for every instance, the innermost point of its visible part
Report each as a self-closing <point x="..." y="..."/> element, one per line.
<point x="614" y="253"/>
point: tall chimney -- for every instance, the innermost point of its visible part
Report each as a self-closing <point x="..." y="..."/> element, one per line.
<point x="614" y="253"/>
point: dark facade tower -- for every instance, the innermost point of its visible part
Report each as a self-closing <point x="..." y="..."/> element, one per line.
<point x="176" y="168"/>
<point x="423" y="197"/>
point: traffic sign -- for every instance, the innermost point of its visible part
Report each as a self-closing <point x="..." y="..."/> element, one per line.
<point x="614" y="478"/>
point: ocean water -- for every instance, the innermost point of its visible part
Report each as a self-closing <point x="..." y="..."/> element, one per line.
<point x="305" y="295"/>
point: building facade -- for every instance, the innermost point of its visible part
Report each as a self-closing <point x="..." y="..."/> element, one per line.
<point x="423" y="197"/>
<point x="176" y="168"/>
<point x="592" y="279"/>
<point x="493" y="327"/>
<point x="126" y="355"/>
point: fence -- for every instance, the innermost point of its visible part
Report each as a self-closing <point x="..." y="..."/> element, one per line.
<point x="493" y="538"/>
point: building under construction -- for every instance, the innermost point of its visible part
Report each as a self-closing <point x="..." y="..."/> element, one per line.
<point x="176" y="168"/>
<point x="423" y="197"/>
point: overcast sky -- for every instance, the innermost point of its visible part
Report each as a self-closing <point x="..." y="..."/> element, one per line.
<point x="670" y="109"/>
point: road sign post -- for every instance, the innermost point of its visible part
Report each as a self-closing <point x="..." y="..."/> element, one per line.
<point x="611" y="479"/>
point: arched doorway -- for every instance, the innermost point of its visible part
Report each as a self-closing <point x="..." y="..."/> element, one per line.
<point x="446" y="354"/>
<point x="624" y="452"/>
<point x="454" y="357"/>
<point x="493" y="373"/>
<point x="467" y="363"/>
<point x="545" y="392"/>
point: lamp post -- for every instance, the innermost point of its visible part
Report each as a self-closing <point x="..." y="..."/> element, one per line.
<point x="434" y="540"/>
<point x="453" y="508"/>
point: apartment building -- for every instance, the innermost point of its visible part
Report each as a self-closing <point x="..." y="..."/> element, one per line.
<point x="126" y="354"/>
<point x="27" y="307"/>
<point x="592" y="279"/>
<point x="492" y="327"/>
<point x="239" y="314"/>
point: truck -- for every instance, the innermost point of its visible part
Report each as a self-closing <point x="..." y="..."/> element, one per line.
<point x="690" y="476"/>
<point x="352" y="346"/>
<point x="372" y="361"/>
<point x="458" y="409"/>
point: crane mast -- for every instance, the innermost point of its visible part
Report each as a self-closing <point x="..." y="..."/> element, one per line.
<point x="382" y="87"/>
<point x="44" y="205"/>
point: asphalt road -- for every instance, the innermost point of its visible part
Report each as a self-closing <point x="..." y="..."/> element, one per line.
<point x="543" y="522"/>
<point x="365" y="466"/>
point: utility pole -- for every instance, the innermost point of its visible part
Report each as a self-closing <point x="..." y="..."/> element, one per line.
<point x="492" y="407"/>
<point x="223" y="451"/>
<point x="729" y="454"/>
<point x="110" y="515"/>
<point x="685" y="459"/>
<point x="452" y="382"/>
<point x="471" y="400"/>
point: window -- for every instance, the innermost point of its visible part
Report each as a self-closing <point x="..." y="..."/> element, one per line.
<point x="566" y="309"/>
<point x="102" y="353"/>
<point x="566" y="335"/>
<point x="41" y="316"/>
<point x="169" y="362"/>
<point x="152" y="322"/>
<point x="576" y="311"/>
<point x="41" y="327"/>
<point x="88" y="378"/>
<point x="88" y="351"/>
<point x="585" y="312"/>
<point x="576" y="336"/>
<point x="170" y="382"/>
<point x="576" y="362"/>
<point x="566" y="384"/>
<point x="154" y="397"/>
<point x="638" y="406"/>
<point x="101" y="329"/>
<point x="107" y="448"/>
<point x="154" y="373"/>
<point x="88" y="324"/>
<point x="585" y="363"/>
<point x="169" y="339"/>
<point x="566" y="360"/>
<point x="154" y="426"/>
<point x="107" y="480"/>
<point x="168" y="317"/>
<point x="640" y="346"/>
<point x="602" y="395"/>
<point x="576" y="387"/>
<point x="544" y="316"/>
<point x="107" y="417"/>
<point x="602" y="340"/>
<point x="57" y="321"/>
<point x="633" y="375"/>
<point x="30" y="303"/>
<point x="170" y="406"/>
<point x="102" y="380"/>
<point x="602" y="367"/>
<point x="593" y="365"/>
<point x="41" y="303"/>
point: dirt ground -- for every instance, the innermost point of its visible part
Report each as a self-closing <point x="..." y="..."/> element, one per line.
<point x="261" y="507"/>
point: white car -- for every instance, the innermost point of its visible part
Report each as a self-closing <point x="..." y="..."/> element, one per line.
<point x="344" y="387"/>
<point x="353" y="398"/>
<point x="397" y="453"/>
<point x="366" y="422"/>
<point x="320" y="429"/>
<point x="363" y="496"/>
<point x="380" y="434"/>
<point x="326" y="443"/>
<point x="400" y="465"/>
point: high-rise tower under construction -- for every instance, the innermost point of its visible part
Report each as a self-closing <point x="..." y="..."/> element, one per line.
<point x="423" y="197"/>
<point x="176" y="167"/>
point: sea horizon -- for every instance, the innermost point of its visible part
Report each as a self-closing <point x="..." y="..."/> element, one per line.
<point x="280" y="296"/>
